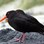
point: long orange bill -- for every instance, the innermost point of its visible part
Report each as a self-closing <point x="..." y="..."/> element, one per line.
<point x="3" y="18"/>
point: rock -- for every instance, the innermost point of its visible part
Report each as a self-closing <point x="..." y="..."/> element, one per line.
<point x="8" y="36"/>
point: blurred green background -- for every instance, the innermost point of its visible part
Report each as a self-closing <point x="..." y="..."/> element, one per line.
<point x="25" y="4"/>
<point x="2" y="2"/>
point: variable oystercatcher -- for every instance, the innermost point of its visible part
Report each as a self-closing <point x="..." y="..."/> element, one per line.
<point x="23" y="22"/>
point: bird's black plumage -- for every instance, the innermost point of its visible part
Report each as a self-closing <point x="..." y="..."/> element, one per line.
<point x="22" y="22"/>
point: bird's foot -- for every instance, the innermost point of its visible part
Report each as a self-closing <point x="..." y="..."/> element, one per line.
<point x="18" y="40"/>
<point x="21" y="39"/>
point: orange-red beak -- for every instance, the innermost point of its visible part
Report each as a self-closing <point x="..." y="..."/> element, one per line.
<point x="3" y="18"/>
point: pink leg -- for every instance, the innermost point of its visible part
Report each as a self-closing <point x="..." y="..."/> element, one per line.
<point x="22" y="38"/>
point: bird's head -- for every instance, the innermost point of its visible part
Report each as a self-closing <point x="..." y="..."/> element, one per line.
<point x="9" y="14"/>
<point x="12" y="13"/>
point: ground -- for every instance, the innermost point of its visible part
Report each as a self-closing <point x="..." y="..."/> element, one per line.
<point x="8" y="36"/>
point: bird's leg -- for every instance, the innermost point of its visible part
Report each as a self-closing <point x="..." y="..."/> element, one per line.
<point x="22" y="38"/>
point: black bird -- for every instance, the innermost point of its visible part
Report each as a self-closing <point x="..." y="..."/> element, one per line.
<point x="23" y="22"/>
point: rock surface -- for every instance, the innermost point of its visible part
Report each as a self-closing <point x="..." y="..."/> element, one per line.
<point x="9" y="36"/>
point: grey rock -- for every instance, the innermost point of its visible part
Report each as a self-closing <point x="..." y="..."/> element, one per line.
<point x="9" y="36"/>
